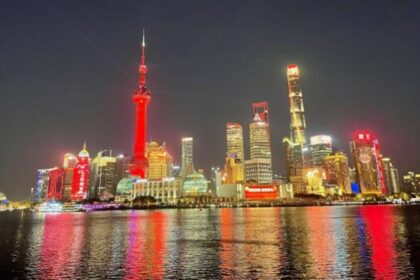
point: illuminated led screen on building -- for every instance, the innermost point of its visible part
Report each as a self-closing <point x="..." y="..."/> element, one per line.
<point x="261" y="192"/>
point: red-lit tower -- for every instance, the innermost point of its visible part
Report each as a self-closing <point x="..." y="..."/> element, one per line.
<point x="141" y="98"/>
<point x="81" y="172"/>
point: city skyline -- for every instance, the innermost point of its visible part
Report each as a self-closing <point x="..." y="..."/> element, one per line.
<point x="85" y="120"/>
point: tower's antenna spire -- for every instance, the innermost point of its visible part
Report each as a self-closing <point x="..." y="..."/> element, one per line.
<point x="143" y="67"/>
<point x="143" y="48"/>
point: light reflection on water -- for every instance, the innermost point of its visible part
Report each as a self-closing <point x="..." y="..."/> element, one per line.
<point x="381" y="242"/>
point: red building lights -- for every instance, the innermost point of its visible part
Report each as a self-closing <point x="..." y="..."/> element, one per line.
<point x="81" y="176"/>
<point x="142" y="98"/>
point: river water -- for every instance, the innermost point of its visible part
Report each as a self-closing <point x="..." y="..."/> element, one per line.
<point x="352" y="242"/>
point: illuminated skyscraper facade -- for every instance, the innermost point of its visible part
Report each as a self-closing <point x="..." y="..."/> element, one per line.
<point x="297" y="111"/>
<point x="296" y="150"/>
<point x="102" y="177"/>
<point x="391" y="176"/>
<point x="235" y="141"/>
<point x="56" y="183"/>
<point x="259" y="132"/>
<point x="234" y="163"/>
<point x="160" y="161"/>
<point x="258" y="169"/>
<point x="81" y="176"/>
<point x="321" y="146"/>
<point x="337" y="171"/>
<point x="68" y="183"/>
<point x="187" y="166"/>
<point x="368" y="163"/>
<point x="141" y="98"/>
<point x="41" y="185"/>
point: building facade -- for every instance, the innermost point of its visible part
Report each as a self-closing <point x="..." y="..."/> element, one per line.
<point x="321" y="146"/>
<point x="337" y="172"/>
<point x="258" y="169"/>
<point x="102" y="183"/>
<point x="367" y="162"/>
<point x="81" y="173"/>
<point x="391" y="176"/>
<point x="167" y="190"/>
<point x="160" y="161"/>
<point x="187" y="166"/>
<point x="235" y="141"/>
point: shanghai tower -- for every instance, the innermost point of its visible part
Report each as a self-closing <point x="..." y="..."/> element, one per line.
<point x="297" y="112"/>
<point x="141" y="98"/>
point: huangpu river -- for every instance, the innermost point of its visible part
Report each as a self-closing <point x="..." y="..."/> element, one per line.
<point x="340" y="242"/>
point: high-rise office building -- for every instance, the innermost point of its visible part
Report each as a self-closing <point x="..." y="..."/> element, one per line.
<point x="259" y="139"/>
<point x="142" y="98"/>
<point x="68" y="183"/>
<point x="233" y="171"/>
<point x="411" y="182"/>
<point x="122" y="166"/>
<point x="321" y="146"/>
<point x="296" y="149"/>
<point x="81" y="172"/>
<point x="368" y="163"/>
<point x="297" y="111"/>
<point x="234" y="163"/>
<point x="56" y="183"/>
<point x="187" y="157"/>
<point x="160" y="161"/>
<point x="258" y="169"/>
<point x="235" y="141"/>
<point x="102" y="177"/>
<point x="390" y="176"/>
<point x="40" y="190"/>
<point x="337" y="171"/>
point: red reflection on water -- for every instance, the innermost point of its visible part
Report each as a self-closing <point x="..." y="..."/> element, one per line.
<point x="147" y="240"/>
<point x="322" y="243"/>
<point x="226" y="235"/>
<point x="380" y="226"/>
<point x="61" y="246"/>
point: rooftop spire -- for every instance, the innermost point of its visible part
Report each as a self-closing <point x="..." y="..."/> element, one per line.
<point x="143" y="67"/>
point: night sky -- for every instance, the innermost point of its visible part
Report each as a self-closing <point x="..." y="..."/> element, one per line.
<point x="68" y="70"/>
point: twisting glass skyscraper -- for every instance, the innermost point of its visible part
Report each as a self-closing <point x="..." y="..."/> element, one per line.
<point x="297" y="111"/>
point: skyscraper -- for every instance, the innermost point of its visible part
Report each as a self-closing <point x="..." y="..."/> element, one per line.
<point x="142" y="98"/>
<point x="390" y="176"/>
<point x="56" y="183"/>
<point x="235" y="141"/>
<point x="41" y="185"/>
<point x="297" y="111"/>
<point x="102" y="177"/>
<point x="160" y="161"/>
<point x="337" y="171"/>
<point x="80" y="182"/>
<point x="187" y="157"/>
<point x="259" y="139"/>
<point x="367" y="162"/>
<point x="296" y="150"/>
<point x="258" y="169"/>
<point x="321" y="146"/>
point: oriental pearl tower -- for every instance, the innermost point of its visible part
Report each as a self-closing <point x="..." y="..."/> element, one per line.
<point x="141" y="98"/>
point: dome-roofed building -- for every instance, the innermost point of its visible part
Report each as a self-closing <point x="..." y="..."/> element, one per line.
<point x="195" y="184"/>
<point x="124" y="189"/>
